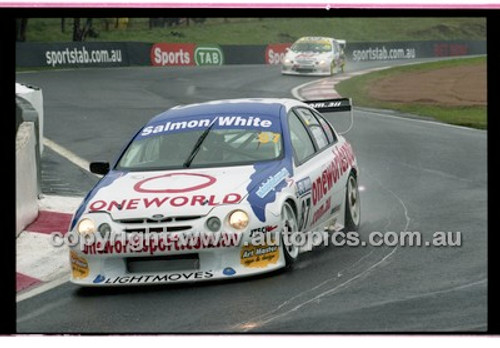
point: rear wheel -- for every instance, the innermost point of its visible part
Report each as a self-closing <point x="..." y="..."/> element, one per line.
<point x="289" y="221"/>
<point x="352" y="204"/>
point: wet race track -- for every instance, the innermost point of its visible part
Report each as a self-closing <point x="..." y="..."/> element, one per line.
<point x="416" y="176"/>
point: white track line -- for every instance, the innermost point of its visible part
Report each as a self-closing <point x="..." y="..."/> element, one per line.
<point x="295" y="90"/>
<point x="37" y="290"/>
<point x="72" y="157"/>
<point x="381" y="114"/>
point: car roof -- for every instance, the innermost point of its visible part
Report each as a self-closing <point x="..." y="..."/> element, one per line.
<point x="240" y="107"/>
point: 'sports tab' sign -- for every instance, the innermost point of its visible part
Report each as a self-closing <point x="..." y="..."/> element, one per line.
<point x="172" y="54"/>
<point x="208" y="55"/>
<point x="177" y="54"/>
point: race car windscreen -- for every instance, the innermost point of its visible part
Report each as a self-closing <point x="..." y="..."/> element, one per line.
<point x="221" y="147"/>
<point x="311" y="47"/>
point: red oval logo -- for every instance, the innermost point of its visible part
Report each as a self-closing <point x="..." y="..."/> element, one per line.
<point x="210" y="180"/>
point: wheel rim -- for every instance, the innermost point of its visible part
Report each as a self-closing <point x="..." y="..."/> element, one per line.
<point x="353" y="199"/>
<point x="289" y="226"/>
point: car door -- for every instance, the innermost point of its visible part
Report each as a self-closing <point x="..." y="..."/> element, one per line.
<point x="320" y="203"/>
<point x="305" y="167"/>
<point x="336" y="144"/>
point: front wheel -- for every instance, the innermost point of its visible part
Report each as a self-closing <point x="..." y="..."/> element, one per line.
<point x="352" y="204"/>
<point x="289" y="221"/>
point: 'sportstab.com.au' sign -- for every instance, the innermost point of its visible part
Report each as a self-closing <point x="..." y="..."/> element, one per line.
<point x="180" y="54"/>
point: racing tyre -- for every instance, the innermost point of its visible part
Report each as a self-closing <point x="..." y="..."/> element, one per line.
<point x="352" y="204"/>
<point x="289" y="221"/>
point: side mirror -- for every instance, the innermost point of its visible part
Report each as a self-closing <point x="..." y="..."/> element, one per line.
<point x="101" y="168"/>
<point x="287" y="49"/>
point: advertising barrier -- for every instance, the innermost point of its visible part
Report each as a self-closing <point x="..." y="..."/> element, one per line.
<point x="276" y="52"/>
<point x="180" y="54"/>
<point x="72" y="54"/>
<point x="384" y="51"/>
<point x="110" y="54"/>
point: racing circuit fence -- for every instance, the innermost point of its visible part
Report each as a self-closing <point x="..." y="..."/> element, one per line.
<point x="110" y="54"/>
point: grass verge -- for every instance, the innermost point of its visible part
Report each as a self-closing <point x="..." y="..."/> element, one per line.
<point x="246" y="31"/>
<point x="358" y="88"/>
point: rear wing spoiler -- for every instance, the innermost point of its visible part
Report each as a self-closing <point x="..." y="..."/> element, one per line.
<point x="330" y="105"/>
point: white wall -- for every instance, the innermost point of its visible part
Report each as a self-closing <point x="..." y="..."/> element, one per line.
<point x="35" y="97"/>
<point x="26" y="173"/>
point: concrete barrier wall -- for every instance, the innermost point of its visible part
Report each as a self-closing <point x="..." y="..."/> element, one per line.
<point x="26" y="176"/>
<point x="34" y="96"/>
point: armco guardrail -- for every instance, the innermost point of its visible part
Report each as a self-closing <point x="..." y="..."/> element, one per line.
<point x="26" y="176"/>
<point x="108" y="54"/>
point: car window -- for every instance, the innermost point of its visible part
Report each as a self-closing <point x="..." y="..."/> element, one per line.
<point x="301" y="141"/>
<point x="313" y="125"/>
<point x="221" y="147"/>
<point x="332" y="138"/>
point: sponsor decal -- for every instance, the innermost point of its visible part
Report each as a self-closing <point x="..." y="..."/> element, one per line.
<point x="259" y="256"/>
<point x="266" y="137"/>
<point x="382" y="53"/>
<point x="202" y="123"/>
<point x="322" y="210"/>
<point x="272" y="182"/>
<point x="99" y="279"/>
<point x="163" y="201"/>
<point x="157" y="243"/>
<point x="208" y="55"/>
<point x="206" y="181"/>
<point x="263" y="229"/>
<point x="333" y="105"/>
<point x="79" y="266"/>
<point x="159" y="278"/>
<point x="229" y="271"/>
<point x="342" y="161"/>
<point x="172" y="54"/>
<point x="304" y="186"/>
<point x="82" y="56"/>
<point x="276" y="52"/>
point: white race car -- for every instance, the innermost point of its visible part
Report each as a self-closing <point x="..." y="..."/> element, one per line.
<point x="215" y="190"/>
<point x="314" y="56"/>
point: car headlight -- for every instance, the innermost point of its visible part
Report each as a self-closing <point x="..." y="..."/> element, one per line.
<point x="322" y="62"/>
<point x="86" y="227"/>
<point x="238" y="219"/>
<point x="287" y="61"/>
<point x="213" y="224"/>
<point x="104" y="229"/>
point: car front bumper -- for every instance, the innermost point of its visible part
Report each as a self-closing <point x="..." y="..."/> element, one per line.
<point x="313" y="70"/>
<point x="119" y="262"/>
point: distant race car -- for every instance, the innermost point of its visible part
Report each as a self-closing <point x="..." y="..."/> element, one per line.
<point x="314" y="56"/>
<point x="194" y="188"/>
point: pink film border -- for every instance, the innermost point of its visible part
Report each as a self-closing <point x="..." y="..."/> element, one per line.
<point x="251" y="5"/>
